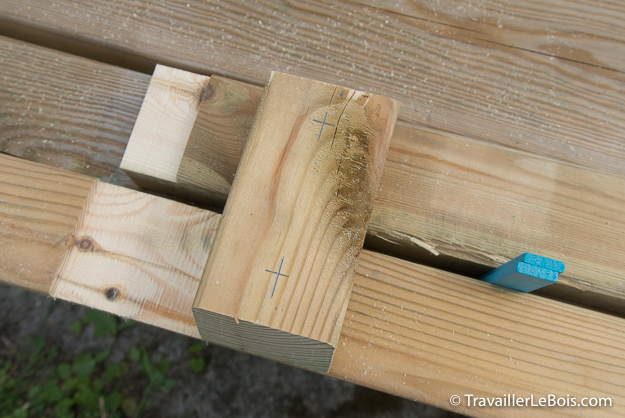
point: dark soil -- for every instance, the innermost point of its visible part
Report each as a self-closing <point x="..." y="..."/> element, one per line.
<point x="233" y="384"/>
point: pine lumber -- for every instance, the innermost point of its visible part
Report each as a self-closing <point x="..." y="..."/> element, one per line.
<point x="39" y="207"/>
<point x="298" y="210"/>
<point x="101" y="245"/>
<point x="221" y="129"/>
<point x="410" y="330"/>
<point x="543" y="77"/>
<point x="157" y="143"/>
<point x="220" y="119"/>
<point x="167" y="114"/>
<point x="138" y="256"/>
<point x="479" y="205"/>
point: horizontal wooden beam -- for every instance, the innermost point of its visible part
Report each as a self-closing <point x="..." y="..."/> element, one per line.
<point x="83" y="133"/>
<point x="410" y="330"/>
<point x="543" y="77"/>
<point x="138" y="256"/>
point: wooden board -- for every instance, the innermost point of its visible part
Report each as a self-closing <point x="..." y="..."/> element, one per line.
<point x="67" y="112"/>
<point x="543" y="77"/>
<point x="483" y="205"/>
<point x="298" y="210"/>
<point x="472" y="233"/>
<point x="166" y="117"/>
<point x="138" y="256"/>
<point x="410" y="330"/>
<point x="39" y="207"/>
<point x="430" y="335"/>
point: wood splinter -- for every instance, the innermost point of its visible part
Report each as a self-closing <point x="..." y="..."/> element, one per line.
<point x="278" y="278"/>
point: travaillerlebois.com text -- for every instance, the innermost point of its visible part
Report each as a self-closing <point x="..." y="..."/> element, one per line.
<point x="512" y="400"/>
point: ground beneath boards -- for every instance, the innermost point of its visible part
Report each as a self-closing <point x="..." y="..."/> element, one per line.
<point x="232" y="384"/>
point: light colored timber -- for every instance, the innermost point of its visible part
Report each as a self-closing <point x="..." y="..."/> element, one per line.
<point x="209" y="110"/>
<point x="465" y="210"/>
<point x="164" y="123"/>
<point x="278" y="278"/>
<point x="410" y="330"/>
<point x="456" y="203"/>
<point x="545" y="77"/>
<point x="39" y="207"/>
<point x="138" y="256"/>
<point x="100" y="245"/>
<point x="167" y="114"/>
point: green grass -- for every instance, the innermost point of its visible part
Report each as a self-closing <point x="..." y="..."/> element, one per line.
<point x="36" y="382"/>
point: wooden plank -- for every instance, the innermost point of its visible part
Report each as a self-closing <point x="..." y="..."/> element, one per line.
<point x="560" y="29"/>
<point x="167" y="114"/>
<point x="410" y="330"/>
<point x="220" y="132"/>
<point x="39" y="207"/>
<point x="138" y="256"/>
<point x="299" y="210"/>
<point x="477" y="207"/>
<point x="485" y="205"/>
<point x="502" y="73"/>
<point x="430" y="335"/>
<point x="66" y="111"/>
<point x="181" y="105"/>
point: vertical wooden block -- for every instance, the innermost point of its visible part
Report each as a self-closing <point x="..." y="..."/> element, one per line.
<point x="164" y="123"/>
<point x="279" y="275"/>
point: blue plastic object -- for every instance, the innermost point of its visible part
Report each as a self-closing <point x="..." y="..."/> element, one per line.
<point x="526" y="273"/>
<point x="543" y="262"/>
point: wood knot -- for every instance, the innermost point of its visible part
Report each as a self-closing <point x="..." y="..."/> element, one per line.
<point x="86" y="244"/>
<point x="112" y="293"/>
<point x="207" y="93"/>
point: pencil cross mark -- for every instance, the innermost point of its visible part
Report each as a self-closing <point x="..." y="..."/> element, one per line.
<point x="278" y="274"/>
<point x="323" y="123"/>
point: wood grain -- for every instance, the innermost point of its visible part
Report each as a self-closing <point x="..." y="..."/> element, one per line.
<point x="471" y="234"/>
<point x="164" y="123"/>
<point x="298" y="210"/>
<point x="410" y="330"/>
<point x="429" y="334"/>
<point x="39" y="207"/>
<point x="465" y="206"/>
<point x="225" y="116"/>
<point x="66" y="111"/>
<point x="138" y="256"/>
<point x="543" y="77"/>
<point x="484" y="205"/>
